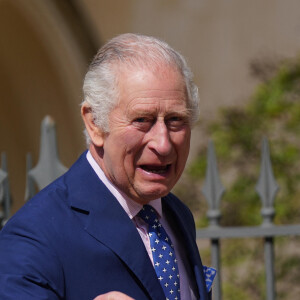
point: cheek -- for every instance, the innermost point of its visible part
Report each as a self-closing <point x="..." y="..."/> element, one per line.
<point x="182" y="140"/>
<point x="182" y="143"/>
<point x="132" y="139"/>
<point x="130" y="144"/>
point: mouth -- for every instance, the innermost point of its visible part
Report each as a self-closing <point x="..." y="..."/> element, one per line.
<point x="156" y="169"/>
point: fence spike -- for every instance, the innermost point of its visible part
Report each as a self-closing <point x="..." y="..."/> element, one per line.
<point x="49" y="166"/>
<point x="213" y="189"/>
<point x="3" y="176"/>
<point x="30" y="188"/>
<point x="266" y="186"/>
<point x="5" y="199"/>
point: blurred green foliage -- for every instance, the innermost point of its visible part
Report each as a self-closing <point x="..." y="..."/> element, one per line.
<point x="273" y="112"/>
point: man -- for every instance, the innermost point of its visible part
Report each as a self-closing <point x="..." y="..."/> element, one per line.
<point x="85" y="235"/>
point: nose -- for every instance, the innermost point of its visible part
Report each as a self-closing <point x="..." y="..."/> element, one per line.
<point x="160" y="141"/>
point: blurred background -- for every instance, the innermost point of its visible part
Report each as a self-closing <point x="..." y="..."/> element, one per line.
<point x="245" y="58"/>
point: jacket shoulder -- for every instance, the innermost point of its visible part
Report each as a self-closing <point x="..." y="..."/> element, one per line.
<point x="172" y="202"/>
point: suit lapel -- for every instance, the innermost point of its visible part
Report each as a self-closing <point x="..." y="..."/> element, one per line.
<point x="178" y="219"/>
<point x="108" y="223"/>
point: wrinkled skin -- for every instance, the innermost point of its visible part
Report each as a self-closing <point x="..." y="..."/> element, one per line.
<point x="147" y="146"/>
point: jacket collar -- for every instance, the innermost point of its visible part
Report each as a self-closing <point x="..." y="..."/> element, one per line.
<point x="105" y="220"/>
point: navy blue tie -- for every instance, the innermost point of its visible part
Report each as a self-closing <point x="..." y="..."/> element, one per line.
<point x="165" y="262"/>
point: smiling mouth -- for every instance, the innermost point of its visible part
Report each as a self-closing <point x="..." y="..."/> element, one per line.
<point x="156" y="169"/>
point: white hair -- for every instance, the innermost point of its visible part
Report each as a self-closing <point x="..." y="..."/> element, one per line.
<point x="100" y="84"/>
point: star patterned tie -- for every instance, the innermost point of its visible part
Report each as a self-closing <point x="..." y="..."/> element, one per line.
<point x="165" y="262"/>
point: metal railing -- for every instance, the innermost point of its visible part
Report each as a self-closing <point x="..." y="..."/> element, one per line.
<point x="49" y="168"/>
<point x="266" y="188"/>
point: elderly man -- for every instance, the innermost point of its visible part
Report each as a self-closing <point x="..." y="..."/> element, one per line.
<point x="110" y="227"/>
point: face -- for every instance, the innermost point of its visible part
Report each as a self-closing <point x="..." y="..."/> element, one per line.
<point x="147" y="146"/>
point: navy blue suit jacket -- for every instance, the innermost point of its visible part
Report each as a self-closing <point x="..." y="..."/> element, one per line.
<point x="74" y="241"/>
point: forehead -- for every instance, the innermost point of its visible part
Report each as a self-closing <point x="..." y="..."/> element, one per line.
<point x="143" y="88"/>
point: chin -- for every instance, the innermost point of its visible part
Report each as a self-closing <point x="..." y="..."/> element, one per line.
<point x="154" y="193"/>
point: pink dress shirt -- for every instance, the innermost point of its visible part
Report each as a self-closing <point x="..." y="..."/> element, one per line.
<point x="132" y="208"/>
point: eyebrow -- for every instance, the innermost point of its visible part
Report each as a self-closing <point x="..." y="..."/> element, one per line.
<point x="184" y="113"/>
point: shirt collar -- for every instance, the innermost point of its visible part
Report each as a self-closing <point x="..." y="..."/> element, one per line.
<point x="131" y="207"/>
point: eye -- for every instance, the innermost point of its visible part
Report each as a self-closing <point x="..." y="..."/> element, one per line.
<point x="176" y="122"/>
<point x="140" y="120"/>
<point x="143" y="123"/>
<point x="175" y="119"/>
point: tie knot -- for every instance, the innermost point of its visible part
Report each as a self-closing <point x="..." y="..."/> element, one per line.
<point x="148" y="214"/>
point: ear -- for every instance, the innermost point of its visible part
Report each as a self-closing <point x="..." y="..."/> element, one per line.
<point x="96" y="134"/>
